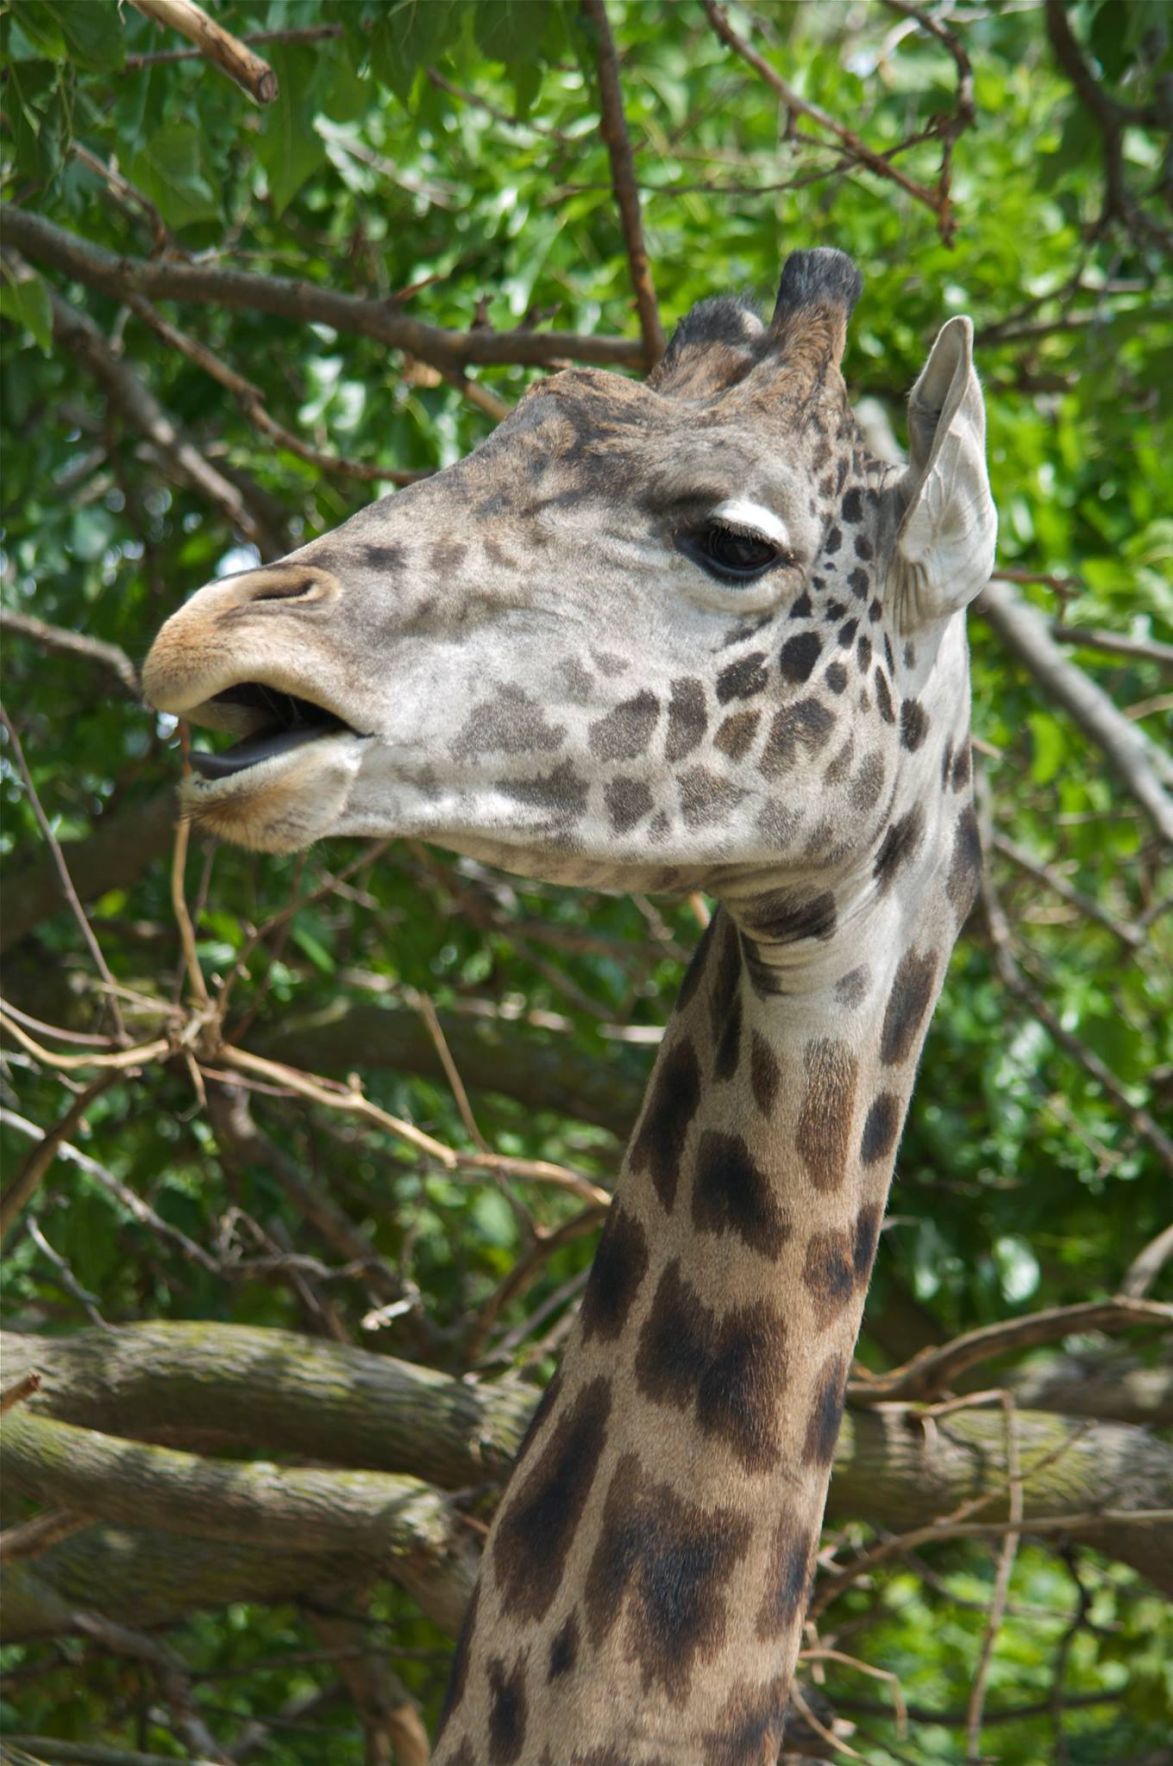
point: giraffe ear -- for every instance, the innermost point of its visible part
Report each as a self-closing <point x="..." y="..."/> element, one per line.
<point x="945" y="541"/>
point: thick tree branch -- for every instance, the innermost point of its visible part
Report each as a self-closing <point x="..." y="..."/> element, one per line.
<point x="164" y="279"/>
<point x="1147" y="773"/>
<point x="210" y="1385"/>
<point x="613" y="125"/>
<point x="409" y="1531"/>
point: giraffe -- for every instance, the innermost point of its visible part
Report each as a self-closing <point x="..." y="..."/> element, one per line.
<point x="675" y="635"/>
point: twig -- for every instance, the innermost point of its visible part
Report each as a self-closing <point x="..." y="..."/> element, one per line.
<point x="87" y="1301"/>
<point x="63" y="877"/>
<point x="427" y="1012"/>
<point x="24" y="1185"/>
<point x="172" y="1673"/>
<point x="1143" y="769"/>
<point x="168" y="279"/>
<point x="122" y="1193"/>
<point x="139" y="1055"/>
<point x="936" y="1368"/>
<point x="251" y="402"/>
<point x="352" y="1102"/>
<point x="794" y="101"/>
<point x="1001" y="1590"/>
<point x="191" y="961"/>
<point x="1144" y="1269"/>
<point x="1094" y="638"/>
<point x="297" y="34"/>
<point x="55" y="637"/>
<point x="613" y="126"/>
<point x="1132" y="936"/>
<point x="19" y="1391"/>
<point x="30" y="1538"/>
<point x="217" y="45"/>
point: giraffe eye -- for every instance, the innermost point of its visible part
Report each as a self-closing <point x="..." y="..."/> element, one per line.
<point x="731" y="554"/>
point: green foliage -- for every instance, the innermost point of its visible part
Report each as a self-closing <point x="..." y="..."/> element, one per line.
<point x="445" y="155"/>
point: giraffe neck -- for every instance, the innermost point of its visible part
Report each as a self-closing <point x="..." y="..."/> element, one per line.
<point x="646" y="1577"/>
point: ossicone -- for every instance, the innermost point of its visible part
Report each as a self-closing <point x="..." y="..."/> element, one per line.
<point x="816" y="295"/>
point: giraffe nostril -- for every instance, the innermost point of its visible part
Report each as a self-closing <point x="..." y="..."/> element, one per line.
<point x="296" y="588"/>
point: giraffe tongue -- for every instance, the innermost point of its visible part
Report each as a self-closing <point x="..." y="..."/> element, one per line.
<point x="254" y="749"/>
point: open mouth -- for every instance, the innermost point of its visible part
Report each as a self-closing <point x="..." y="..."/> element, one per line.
<point x="281" y="722"/>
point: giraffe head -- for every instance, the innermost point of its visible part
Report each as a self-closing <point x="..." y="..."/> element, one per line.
<point x="677" y="634"/>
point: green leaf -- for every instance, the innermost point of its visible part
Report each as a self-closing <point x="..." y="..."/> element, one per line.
<point x="510" y="30"/>
<point x="169" y="173"/>
<point x="26" y="299"/>
<point x="409" y="37"/>
<point x="288" y="146"/>
<point x="93" y="34"/>
<point x="1049" y="746"/>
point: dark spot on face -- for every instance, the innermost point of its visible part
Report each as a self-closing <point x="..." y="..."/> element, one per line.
<point x="851" y="508"/>
<point x="863" y="547"/>
<point x="705" y="797"/>
<point x="859" y="582"/>
<point x="791" y="1555"/>
<point x="458" y="1677"/>
<point x="737" y="1401"/>
<point x="564" y="1650"/>
<point x="765" y="1075"/>
<point x="847" y="634"/>
<point x="744" y="678"/>
<point x="384" y="557"/>
<point x="965" y="869"/>
<point x="947" y="764"/>
<point x="510" y="722"/>
<point x="507" y="1711"/>
<point x="628" y="802"/>
<point x="620" y="1265"/>
<point x="687" y="718"/>
<point x="914" y="724"/>
<point x="737" y="733"/>
<point x="822" y="1430"/>
<point x="802" y="608"/>
<point x="884" y="699"/>
<point x="560" y="793"/>
<point x="544" y="1505"/>
<point x="823" y="1133"/>
<point x="908" y="1002"/>
<point x="798" y="731"/>
<point x="832" y="542"/>
<point x="851" y="988"/>
<point x="889" y="658"/>
<point x="658" y="1146"/>
<point x="863" y="1250"/>
<point x="836" y="677"/>
<point x="875" y="612"/>
<point x="881" y="1128"/>
<point x="961" y="768"/>
<point x="900" y="843"/>
<point x="661" y="1566"/>
<point x="828" y="1274"/>
<point x="447" y="556"/>
<point x="731" y="1193"/>
<point x="799" y="655"/>
<point x="864" y="653"/>
<point x="625" y="732"/>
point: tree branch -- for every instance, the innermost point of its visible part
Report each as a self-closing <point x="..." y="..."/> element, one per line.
<point x="613" y="127"/>
<point x="55" y="637"/>
<point x="1143" y="769"/>
<point x="224" y="51"/>
<point x="164" y="279"/>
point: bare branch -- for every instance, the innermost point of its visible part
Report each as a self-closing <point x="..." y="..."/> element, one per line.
<point x="936" y="1369"/>
<point x="165" y="279"/>
<point x="1144" y="1269"/>
<point x="613" y="126"/>
<point x="24" y="1185"/>
<point x="217" y="45"/>
<point x="55" y="637"/>
<point x="1144" y="770"/>
<point x="1094" y="638"/>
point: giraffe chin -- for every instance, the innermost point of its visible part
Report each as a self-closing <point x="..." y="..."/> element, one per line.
<point x="281" y="804"/>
